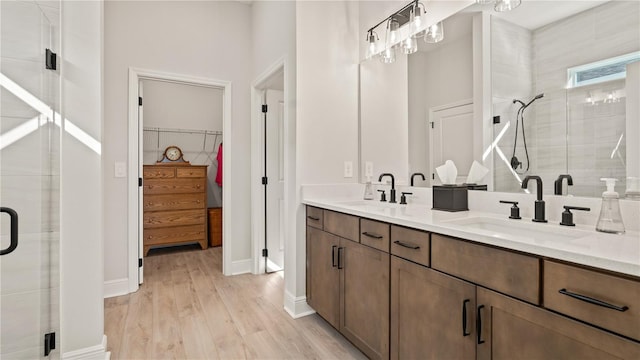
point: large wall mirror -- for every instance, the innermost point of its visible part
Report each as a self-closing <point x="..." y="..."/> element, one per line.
<point x="561" y="77"/>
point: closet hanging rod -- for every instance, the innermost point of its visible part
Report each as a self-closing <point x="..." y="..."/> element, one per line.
<point x="184" y="131"/>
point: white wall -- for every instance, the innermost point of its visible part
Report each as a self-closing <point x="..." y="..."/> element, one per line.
<point x="180" y="106"/>
<point x="327" y="104"/>
<point x="81" y="251"/>
<point x="188" y="38"/>
<point x="274" y="38"/>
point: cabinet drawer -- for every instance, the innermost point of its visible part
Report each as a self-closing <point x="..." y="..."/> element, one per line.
<point x="609" y="289"/>
<point x="157" y="172"/>
<point x="173" y="235"/>
<point x="173" y="186"/>
<point x="191" y="172"/>
<point x="314" y="217"/>
<point x="504" y="271"/>
<point x="158" y="219"/>
<point x="174" y="202"/>
<point x="374" y="234"/>
<point x="343" y="225"/>
<point x="410" y="244"/>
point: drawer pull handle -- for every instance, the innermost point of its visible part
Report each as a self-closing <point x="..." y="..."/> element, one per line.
<point x="593" y="301"/>
<point x="464" y="318"/>
<point x="372" y="235"/>
<point x="333" y="256"/>
<point x="340" y="265"/>
<point x="412" y="247"/>
<point x="479" y="325"/>
<point x="313" y="218"/>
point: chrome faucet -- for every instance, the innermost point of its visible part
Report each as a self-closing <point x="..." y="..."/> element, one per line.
<point x="539" y="205"/>
<point x="392" y="193"/>
<point x="417" y="174"/>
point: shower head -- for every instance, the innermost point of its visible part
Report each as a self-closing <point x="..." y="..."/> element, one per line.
<point x="539" y="96"/>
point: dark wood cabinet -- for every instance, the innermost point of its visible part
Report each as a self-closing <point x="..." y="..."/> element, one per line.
<point x="323" y="274"/>
<point x="432" y="314"/>
<point x="364" y="298"/>
<point x="514" y="329"/>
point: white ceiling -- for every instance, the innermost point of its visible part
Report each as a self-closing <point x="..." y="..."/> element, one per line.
<point x="534" y="14"/>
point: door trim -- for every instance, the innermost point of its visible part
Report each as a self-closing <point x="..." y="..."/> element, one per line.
<point x="135" y="75"/>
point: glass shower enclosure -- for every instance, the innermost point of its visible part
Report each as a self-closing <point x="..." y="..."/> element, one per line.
<point x="29" y="180"/>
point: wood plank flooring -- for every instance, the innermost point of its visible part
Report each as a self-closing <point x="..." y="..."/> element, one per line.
<point x="186" y="309"/>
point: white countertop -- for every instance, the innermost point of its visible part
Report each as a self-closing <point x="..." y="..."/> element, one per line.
<point x="581" y="244"/>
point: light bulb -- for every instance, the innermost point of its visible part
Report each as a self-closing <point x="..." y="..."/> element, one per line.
<point x="506" y="5"/>
<point x="434" y="34"/>
<point x="372" y="47"/>
<point x="393" y="33"/>
<point x="416" y="23"/>
<point x="410" y="45"/>
<point x="388" y="55"/>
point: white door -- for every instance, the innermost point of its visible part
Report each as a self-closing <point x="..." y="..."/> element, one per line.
<point x="275" y="176"/>
<point x="140" y="195"/>
<point x="451" y="139"/>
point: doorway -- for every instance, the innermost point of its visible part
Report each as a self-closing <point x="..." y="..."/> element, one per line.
<point x="208" y="139"/>
<point x="268" y="197"/>
<point x="448" y="142"/>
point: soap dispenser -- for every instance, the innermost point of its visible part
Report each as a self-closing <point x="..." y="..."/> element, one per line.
<point x="368" y="189"/>
<point x="610" y="220"/>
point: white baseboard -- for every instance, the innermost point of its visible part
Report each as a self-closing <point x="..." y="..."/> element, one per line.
<point x="297" y="307"/>
<point x="116" y="287"/>
<point x="97" y="352"/>
<point x="241" y="267"/>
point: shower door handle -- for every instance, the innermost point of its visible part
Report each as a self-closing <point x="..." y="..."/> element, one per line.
<point x="13" y="230"/>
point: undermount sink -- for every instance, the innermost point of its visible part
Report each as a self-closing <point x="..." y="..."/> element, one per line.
<point x="519" y="230"/>
<point x="369" y="205"/>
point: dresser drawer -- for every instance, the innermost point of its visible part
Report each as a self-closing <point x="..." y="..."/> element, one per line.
<point x="191" y="172"/>
<point x="175" y="234"/>
<point x="374" y="234"/>
<point x="410" y="244"/>
<point x="575" y="291"/>
<point x="157" y="172"/>
<point x="174" y="202"/>
<point x="343" y="225"/>
<point x="173" y="186"/>
<point x="314" y="217"/>
<point x="158" y="219"/>
<point x="504" y="271"/>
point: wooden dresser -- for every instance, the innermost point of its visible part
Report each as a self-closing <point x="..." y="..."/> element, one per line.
<point x="174" y="205"/>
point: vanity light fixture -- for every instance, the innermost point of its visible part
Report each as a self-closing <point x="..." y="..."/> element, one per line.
<point x="411" y="15"/>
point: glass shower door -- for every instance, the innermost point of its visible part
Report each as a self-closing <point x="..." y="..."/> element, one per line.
<point x="29" y="180"/>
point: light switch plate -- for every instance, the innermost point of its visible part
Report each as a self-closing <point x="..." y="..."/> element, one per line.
<point x="120" y="169"/>
<point x="368" y="168"/>
<point x="348" y="169"/>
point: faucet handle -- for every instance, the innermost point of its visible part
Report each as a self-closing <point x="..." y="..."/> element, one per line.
<point x="403" y="198"/>
<point x="567" y="215"/>
<point x="383" y="196"/>
<point x="515" y="210"/>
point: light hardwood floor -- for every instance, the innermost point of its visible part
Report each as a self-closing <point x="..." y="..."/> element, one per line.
<point x="186" y="309"/>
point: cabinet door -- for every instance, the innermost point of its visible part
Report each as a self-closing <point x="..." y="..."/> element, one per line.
<point x="432" y="314"/>
<point x="513" y="329"/>
<point x="364" y="298"/>
<point x="323" y="275"/>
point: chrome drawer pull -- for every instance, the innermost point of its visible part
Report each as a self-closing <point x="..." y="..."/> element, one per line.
<point x="372" y="235"/>
<point x="593" y="301"/>
<point x="406" y="245"/>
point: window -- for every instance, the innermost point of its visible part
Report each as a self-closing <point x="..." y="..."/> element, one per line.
<point x="600" y="71"/>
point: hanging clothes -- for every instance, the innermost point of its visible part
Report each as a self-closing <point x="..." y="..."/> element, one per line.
<point x="219" y="173"/>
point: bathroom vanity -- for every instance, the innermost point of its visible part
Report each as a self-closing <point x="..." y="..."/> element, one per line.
<point x="406" y="282"/>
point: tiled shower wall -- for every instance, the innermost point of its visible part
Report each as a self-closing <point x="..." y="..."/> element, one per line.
<point x="565" y="132"/>
<point x="29" y="178"/>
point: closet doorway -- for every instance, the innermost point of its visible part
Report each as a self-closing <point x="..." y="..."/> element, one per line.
<point x="269" y="227"/>
<point x="177" y="125"/>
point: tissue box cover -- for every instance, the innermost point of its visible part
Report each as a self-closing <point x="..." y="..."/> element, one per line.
<point x="450" y="198"/>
